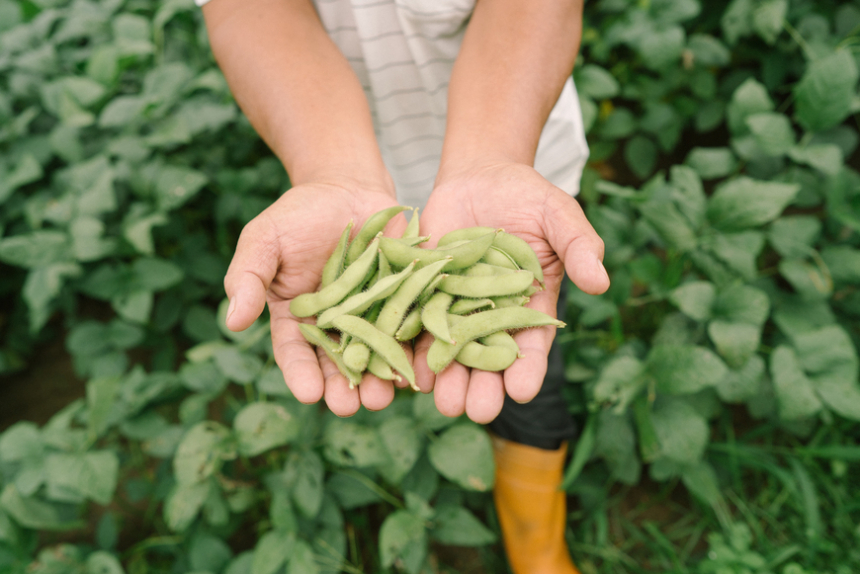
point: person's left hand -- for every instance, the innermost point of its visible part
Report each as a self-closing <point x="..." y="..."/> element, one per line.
<point x="516" y="198"/>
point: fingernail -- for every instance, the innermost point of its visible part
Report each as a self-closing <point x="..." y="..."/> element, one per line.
<point x="230" y="308"/>
<point x="602" y="268"/>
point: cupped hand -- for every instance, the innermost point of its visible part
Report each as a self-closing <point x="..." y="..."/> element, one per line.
<point x="516" y="198"/>
<point x="280" y="255"/>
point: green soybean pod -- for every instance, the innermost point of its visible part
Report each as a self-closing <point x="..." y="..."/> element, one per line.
<point x="384" y="267"/>
<point x="486" y="270"/>
<point x="462" y="255"/>
<point x="430" y="289"/>
<point x="412" y="227"/>
<point x="378" y="367"/>
<point x="521" y="252"/>
<point x="353" y="276"/>
<point x="495" y="256"/>
<point x="381" y="343"/>
<point x="394" y="311"/>
<point x="493" y="286"/>
<point x="434" y="315"/>
<point x="374" y="225"/>
<point x="316" y="336"/>
<point x="463" y="306"/>
<point x="361" y="302"/>
<point x="486" y="357"/>
<point x="501" y="339"/>
<point x="356" y="356"/>
<point x="411" y="326"/>
<point x="471" y="327"/>
<point x="510" y="301"/>
<point x="465" y="234"/>
<point x="334" y="266"/>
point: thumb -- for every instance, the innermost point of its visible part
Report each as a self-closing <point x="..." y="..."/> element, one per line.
<point x="251" y="271"/>
<point x="573" y="238"/>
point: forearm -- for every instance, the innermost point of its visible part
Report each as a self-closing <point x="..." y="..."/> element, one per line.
<point x="511" y="69"/>
<point x="296" y="88"/>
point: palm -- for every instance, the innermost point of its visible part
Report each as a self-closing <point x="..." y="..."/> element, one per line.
<point x="280" y="255"/>
<point x="517" y="199"/>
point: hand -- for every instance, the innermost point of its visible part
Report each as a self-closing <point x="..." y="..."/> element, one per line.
<point x="280" y="255"/>
<point x="516" y="198"/>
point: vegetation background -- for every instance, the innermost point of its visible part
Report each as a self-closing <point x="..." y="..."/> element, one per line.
<point x="716" y="382"/>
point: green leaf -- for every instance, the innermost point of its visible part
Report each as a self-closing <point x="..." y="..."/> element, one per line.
<point x="737" y="20"/>
<point x="201" y="452"/>
<point x="794" y="235"/>
<point x="826" y="158"/>
<point x="742" y="384"/>
<point x="273" y="551"/>
<point x="101" y="562"/>
<point x="795" y="393"/>
<point x="135" y="306"/>
<point x="20" y="441"/>
<point x="31" y="512"/>
<point x="457" y="526"/>
<point x="263" y="426"/>
<point x="403" y="443"/>
<point x="681" y="430"/>
<point x="640" y="153"/>
<point x="768" y="18"/>
<point x="596" y="82"/>
<point x="35" y="249"/>
<point x="463" y="454"/>
<point x="26" y="171"/>
<point x="619" y="382"/>
<point x="100" y="401"/>
<point x="672" y="226"/>
<point x="825" y="94"/>
<point x="684" y="369"/>
<point x="183" y="503"/>
<point x="208" y="553"/>
<point x="806" y="278"/>
<point x="749" y="98"/>
<point x="843" y="263"/>
<point x="242" y="367"/>
<point x="712" y="163"/>
<point x="735" y="342"/>
<point x="350" y="444"/>
<point x="701" y="480"/>
<point x="695" y="299"/>
<point x="424" y="410"/>
<point x="708" y="51"/>
<point x="743" y="202"/>
<point x="621" y="123"/>
<point x="308" y="486"/>
<point x="42" y="286"/>
<point x="92" y="475"/>
<point x="825" y="349"/>
<point x="772" y="132"/>
<point x="302" y="560"/>
<point x="400" y="530"/>
<point x="661" y="48"/>
<point x="352" y="492"/>
<point x="742" y="304"/>
<point x="175" y="185"/>
<point x="123" y="110"/>
<point x="151" y="274"/>
<point x="615" y="443"/>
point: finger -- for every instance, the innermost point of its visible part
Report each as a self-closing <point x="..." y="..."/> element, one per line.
<point x="573" y="238"/>
<point x="375" y="394"/>
<point x="524" y="378"/>
<point x="450" y="390"/>
<point x="341" y="400"/>
<point x="251" y="271"/>
<point x="296" y="357"/>
<point x="485" y="396"/>
<point x="424" y="377"/>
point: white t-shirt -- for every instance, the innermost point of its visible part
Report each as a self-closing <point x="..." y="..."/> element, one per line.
<point x="403" y="52"/>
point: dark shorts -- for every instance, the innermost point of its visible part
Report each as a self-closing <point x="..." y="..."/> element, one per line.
<point x="544" y="422"/>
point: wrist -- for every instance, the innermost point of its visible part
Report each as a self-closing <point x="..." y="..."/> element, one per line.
<point x="460" y="168"/>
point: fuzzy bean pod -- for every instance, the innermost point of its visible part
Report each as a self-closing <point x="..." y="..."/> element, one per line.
<point x="493" y="286"/>
<point x="411" y="326"/>
<point x="316" y="336"/>
<point x="356" y="356"/>
<point x="495" y="256"/>
<point x="394" y="311"/>
<point x="462" y="255"/>
<point x="412" y="227"/>
<point x="463" y="306"/>
<point x="358" y="304"/>
<point x="521" y="252"/>
<point x="381" y="343"/>
<point x="334" y="266"/>
<point x="486" y="357"/>
<point x="373" y="226"/>
<point x="434" y="315"/>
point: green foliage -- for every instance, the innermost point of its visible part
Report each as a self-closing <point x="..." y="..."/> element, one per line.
<point x="731" y="229"/>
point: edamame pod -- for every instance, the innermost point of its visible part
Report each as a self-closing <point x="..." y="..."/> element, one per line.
<point x="353" y="276"/>
<point x="378" y="367"/>
<point x="486" y="270"/>
<point x="316" y="336"/>
<point x="495" y="256"/>
<point x="463" y="306"/>
<point x="501" y="339"/>
<point x="411" y="326"/>
<point x="467" y="234"/>
<point x="434" y="315"/>
<point x="471" y="327"/>
<point x="412" y="227"/>
<point x="494" y="286"/>
<point x="521" y="252"/>
<point x="358" y="304"/>
<point x="485" y="357"/>
<point x="394" y="311"/>
<point x="385" y="345"/>
<point x="462" y="255"/>
<point x="511" y="301"/>
<point x="356" y="356"/>
<point x="334" y="266"/>
<point x="374" y="225"/>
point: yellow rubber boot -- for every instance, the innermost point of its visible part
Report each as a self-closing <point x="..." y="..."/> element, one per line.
<point x="531" y="508"/>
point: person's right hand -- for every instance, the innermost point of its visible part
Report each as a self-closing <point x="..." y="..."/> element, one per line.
<point x="280" y="255"/>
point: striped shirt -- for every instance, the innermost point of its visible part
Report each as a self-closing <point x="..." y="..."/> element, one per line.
<point x="403" y="52"/>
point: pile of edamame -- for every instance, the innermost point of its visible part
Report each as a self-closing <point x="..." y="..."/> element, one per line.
<point x="378" y="292"/>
